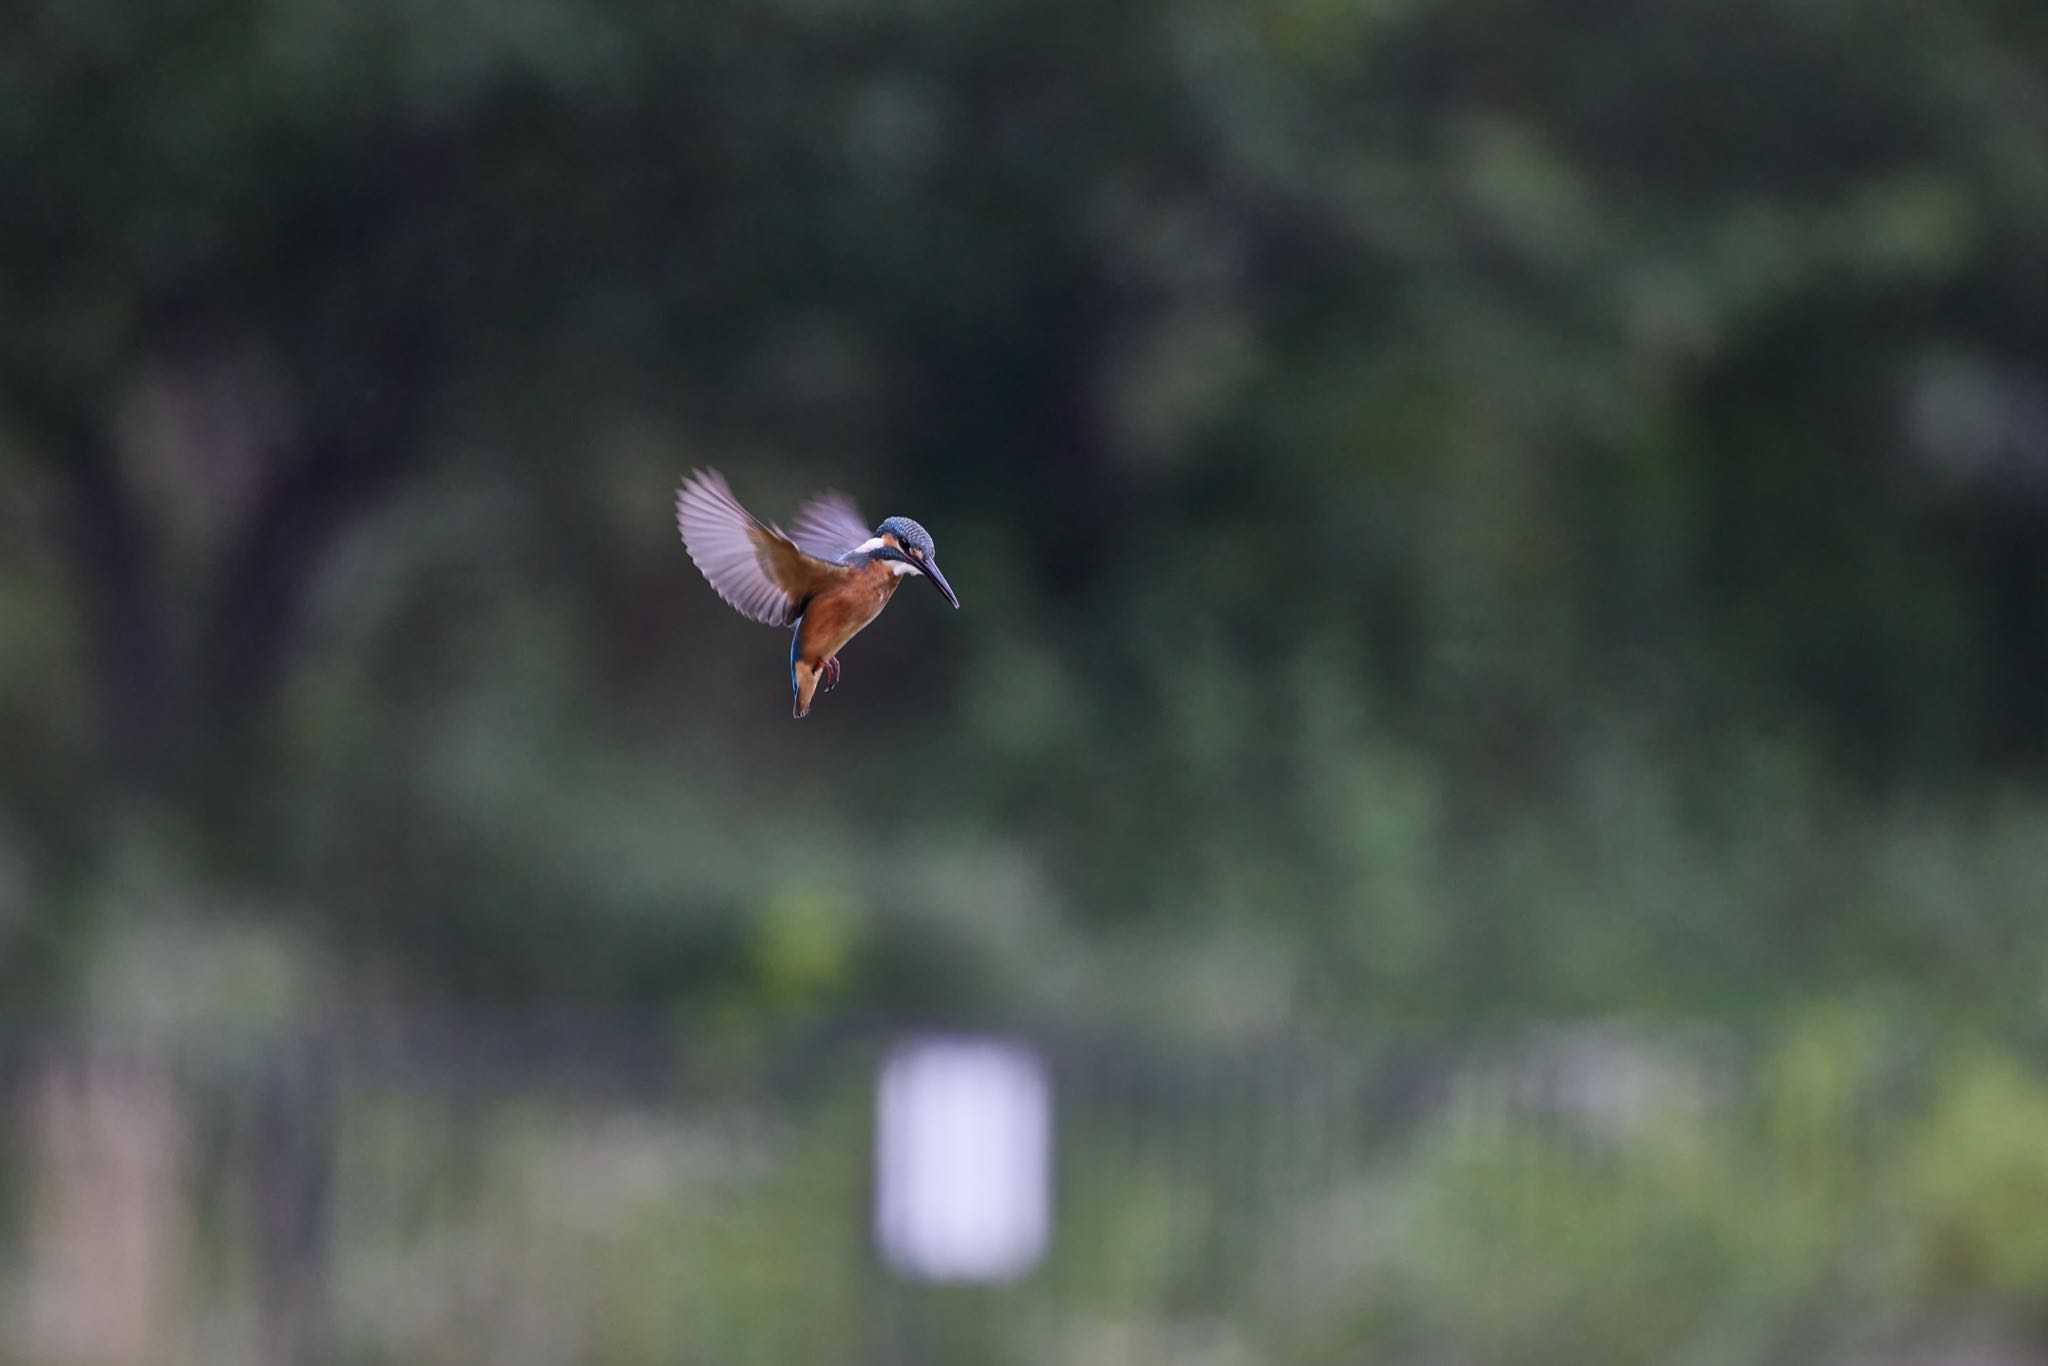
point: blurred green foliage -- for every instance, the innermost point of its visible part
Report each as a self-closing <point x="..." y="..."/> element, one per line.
<point x="1461" y="509"/>
<point x="1619" y="1194"/>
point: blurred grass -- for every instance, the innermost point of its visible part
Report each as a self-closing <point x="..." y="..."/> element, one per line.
<point x="1620" y="1194"/>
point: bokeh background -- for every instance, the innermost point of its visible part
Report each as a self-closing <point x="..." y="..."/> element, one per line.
<point x="1497" y="731"/>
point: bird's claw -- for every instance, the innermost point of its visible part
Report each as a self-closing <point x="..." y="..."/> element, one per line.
<point x="830" y="669"/>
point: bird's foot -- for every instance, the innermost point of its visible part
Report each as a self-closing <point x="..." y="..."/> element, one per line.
<point x="830" y="667"/>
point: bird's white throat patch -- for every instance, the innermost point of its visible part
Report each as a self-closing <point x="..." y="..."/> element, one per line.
<point x="897" y="567"/>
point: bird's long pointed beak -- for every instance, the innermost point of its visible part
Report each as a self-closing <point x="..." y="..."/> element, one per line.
<point x="931" y="571"/>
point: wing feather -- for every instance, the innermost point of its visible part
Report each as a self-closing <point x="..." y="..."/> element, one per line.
<point x="829" y="525"/>
<point x="753" y="566"/>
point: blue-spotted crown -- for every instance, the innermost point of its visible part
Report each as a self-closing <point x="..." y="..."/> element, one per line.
<point x="908" y="533"/>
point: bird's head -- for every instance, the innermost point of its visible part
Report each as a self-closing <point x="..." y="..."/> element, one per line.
<point x="907" y="549"/>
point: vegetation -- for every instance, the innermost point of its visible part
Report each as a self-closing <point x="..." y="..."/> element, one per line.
<point x="1465" y="515"/>
<point x="1459" y="510"/>
<point x="1585" y="1196"/>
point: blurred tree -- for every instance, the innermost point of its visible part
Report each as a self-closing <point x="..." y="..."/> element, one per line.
<point x="1366" y="436"/>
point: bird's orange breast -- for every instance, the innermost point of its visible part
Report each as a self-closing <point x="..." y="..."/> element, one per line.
<point x="834" y="615"/>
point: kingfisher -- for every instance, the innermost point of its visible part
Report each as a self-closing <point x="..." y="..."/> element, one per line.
<point x="827" y="577"/>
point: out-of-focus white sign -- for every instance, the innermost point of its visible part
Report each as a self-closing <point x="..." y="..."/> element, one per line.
<point x="963" y="1159"/>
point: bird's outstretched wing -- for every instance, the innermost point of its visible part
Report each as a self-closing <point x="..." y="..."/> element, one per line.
<point x="829" y="525"/>
<point x="752" y="565"/>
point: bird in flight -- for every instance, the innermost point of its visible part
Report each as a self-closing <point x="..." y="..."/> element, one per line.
<point x="827" y="577"/>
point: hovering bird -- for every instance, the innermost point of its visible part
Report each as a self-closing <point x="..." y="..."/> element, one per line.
<point x="828" y="579"/>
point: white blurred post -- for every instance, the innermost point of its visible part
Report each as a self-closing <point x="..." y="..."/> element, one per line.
<point x="963" y="1159"/>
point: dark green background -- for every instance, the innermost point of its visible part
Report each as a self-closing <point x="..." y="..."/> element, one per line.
<point x="1462" y="510"/>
